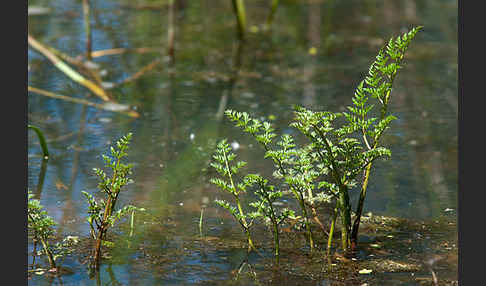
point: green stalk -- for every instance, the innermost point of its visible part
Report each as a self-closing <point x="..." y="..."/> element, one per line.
<point x="345" y="210"/>
<point x="239" y="9"/>
<point x="131" y="223"/>
<point x="48" y="252"/>
<point x="110" y="205"/>
<point x="272" y="13"/>
<point x="87" y="29"/>
<point x="275" y="227"/>
<point x="343" y="199"/>
<point x="42" y="140"/>
<point x="306" y="221"/>
<point x="331" y="231"/>
<point x="243" y="222"/>
<point x="362" y="195"/>
<point x="299" y="196"/>
<point x="201" y="222"/>
<point x="170" y="30"/>
<point x="276" y="240"/>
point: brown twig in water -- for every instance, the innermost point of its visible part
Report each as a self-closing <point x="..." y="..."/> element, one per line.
<point x="138" y="74"/>
<point x="109" y="106"/>
<point x="87" y="28"/>
<point x="118" y="51"/>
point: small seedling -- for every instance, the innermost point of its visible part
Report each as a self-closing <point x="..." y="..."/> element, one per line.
<point x="102" y="214"/>
<point x="41" y="227"/>
<point x="291" y="165"/>
<point x="223" y="158"/>
<point x="268" y="195"/>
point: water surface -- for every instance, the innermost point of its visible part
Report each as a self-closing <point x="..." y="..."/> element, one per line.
<point x="175" y="134"/>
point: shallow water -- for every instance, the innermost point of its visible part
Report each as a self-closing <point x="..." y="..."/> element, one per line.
<point x="174" y="136"/>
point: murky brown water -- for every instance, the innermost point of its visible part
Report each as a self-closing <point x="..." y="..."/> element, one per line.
<point x="174" y="136"/>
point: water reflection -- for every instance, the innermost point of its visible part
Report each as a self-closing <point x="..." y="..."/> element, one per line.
<point x="181" y="107"/>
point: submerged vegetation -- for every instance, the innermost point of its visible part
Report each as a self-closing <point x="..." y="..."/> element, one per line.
<point x="341" y="145"/>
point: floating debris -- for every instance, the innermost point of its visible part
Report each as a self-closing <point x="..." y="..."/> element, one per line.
<point x="365" y="271"/>
<point x="104" y="120"/>
<point x="37" y="10"/>
<point x="107" y="85"/>
<point x="113" y="106"/>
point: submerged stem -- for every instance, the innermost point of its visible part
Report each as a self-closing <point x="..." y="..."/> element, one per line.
<point x="306" y="221"/>
<point x="331" y="231"/>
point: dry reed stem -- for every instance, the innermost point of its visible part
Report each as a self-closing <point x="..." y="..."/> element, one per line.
<point x="141" y="72"/>
<point x="118" y="51"/>
<point x="105" y="106"/>
<point x="67" y="70"/>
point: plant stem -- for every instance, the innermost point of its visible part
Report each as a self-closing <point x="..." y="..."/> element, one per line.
<point x="131" y="223"/>
<point x="239" y="9"/>
<point x="34" y="251"/>
<point x="243" y="222"/>
<point x="42" y="140"/>
<point x="48" y="251"/>
<point x="306" y="221"/>
<point x="110" y="205"/>
<point x="170" y="32"/>
<point x="359" y="210"/>
<point x="331" y="231"/>
<point x="345" y="209"/>
<point x="201" y="222"/>
<point x="104" y="106"/>
<point x="272" y="14"/>
<point x="87" y="28"/>
<point x="276" y="240"/>
<point x="67" y="70"/>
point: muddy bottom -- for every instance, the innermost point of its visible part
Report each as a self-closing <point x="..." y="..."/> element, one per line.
<point x="391" y="251"/>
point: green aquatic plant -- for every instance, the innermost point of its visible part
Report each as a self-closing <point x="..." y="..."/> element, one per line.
<point x="290" y="163"/>
<point x="102" y="214"/>
<point x="41" y="228"/>
<point x="223" y="166"/>
<point x="42" y="140"/>
<point x="377" y="85"/>
<point x="240" y="14"/>
<point x="341" y="146"/>
<point x="267" y="196"/>
<point x="266" y="207"/>
<point x="271" y="15"/>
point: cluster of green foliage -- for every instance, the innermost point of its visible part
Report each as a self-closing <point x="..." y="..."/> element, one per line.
<point x="102" y="214"/>
<point x="338" y="155"/>
<point x="41" y="228"/>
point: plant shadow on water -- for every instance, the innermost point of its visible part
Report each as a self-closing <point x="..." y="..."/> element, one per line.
<point x="314" y="56"/>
